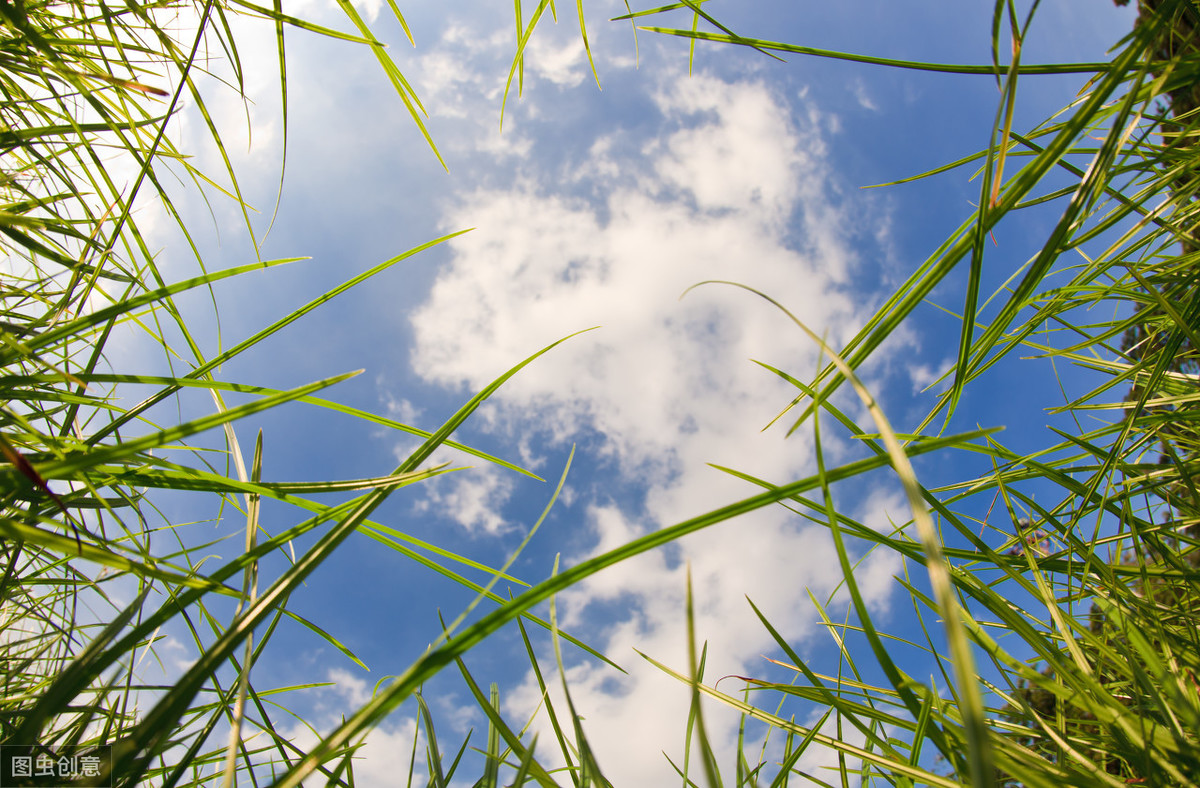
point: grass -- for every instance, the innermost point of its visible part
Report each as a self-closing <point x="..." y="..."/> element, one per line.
<point x="90" y="90"/>
<point x="1092" y="680"/>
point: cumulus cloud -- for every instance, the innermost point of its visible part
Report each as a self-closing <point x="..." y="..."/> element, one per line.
<point x="735" y="186"/>
<point x="543" y="264"/>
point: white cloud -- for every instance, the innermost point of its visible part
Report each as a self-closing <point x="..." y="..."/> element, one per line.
<point x="735" y="187"/>
<point x="742" y="156"/>
<point x="465" y="74"/>
<point x="472" y="498"/>
<point x="563" y="63"/>
<point x="371" y="8"/>
<point x="922" y="375"/>
<point x="353" y="689"/>
<point x="399" y="408"/>
<point x="383" y="759"/>
<point x="863" y="95"/>
<point x="542" y="265"/>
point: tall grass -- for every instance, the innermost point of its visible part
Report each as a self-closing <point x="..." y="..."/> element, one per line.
<point x="1092" y="680"/>
<point x="90" y="91"/>
<point x="1075" y="600"/>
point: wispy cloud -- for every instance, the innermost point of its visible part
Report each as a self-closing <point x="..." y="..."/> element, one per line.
<point x="474" y="500"/>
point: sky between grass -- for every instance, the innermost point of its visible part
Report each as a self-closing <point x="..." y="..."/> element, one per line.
<point x="599" y="208"/>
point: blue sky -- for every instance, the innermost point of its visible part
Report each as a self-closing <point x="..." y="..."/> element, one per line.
<point x="599" y="208"/>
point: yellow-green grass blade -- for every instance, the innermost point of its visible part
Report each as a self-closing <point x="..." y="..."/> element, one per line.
<point x="431" y="663"/>
<point x="699" y="13"/>
<point x="275" y="327"/>
<point x="914" y="291"/>
<point x="276" y="14"/>
<point x="192" y="479"/>
<point x="989" y="197"/>
<point x="589" y="769"/>
<point x="79" y="326"/>
<point x="499" y="728"/>
<point x="587" y="47"/>
<point x="403" y="89"/>
<point x="501" y="573"/>
<point x="979" y="749"/>
<point x="518" y="64"/>
<point x="208" y="383"/>
<point x="652" y="11"/>
<point x="152" y="733"/>
<point x="894" y="766"/>
<point x="949" y="68"/>
<point x="696" y="713"/>
<point x="97" y="455"/>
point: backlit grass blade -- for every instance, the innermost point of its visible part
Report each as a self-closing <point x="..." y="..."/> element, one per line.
<point x="275" y="327"/>
<point x="153" y="729"/>
<point x="979" y="748"/>
<point x="433" y="662"/>
<point x="403" y="89"/>
<point x="948" y="68"/>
